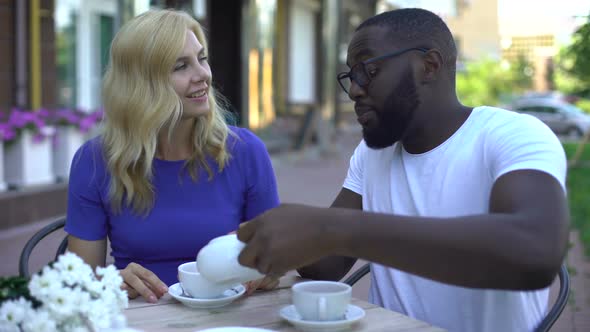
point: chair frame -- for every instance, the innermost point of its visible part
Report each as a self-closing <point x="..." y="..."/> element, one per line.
<point x="560" y="301"/>
<point x="546" y="323"/>
<point x="23" y="265"/>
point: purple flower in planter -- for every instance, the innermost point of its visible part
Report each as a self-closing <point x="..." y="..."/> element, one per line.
<point x="6" y="132"/>
<point x="90" y="121"/>
<point x="67" y="117"/>
<point x="38" y="138"/>
<point x="19" y="120"/>
<point x="82" y="120"/>
<point x="42" y="121"/>
<point x="43" y="113"/>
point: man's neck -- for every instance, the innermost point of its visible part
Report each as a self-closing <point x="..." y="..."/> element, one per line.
<point x="441" y="121"/>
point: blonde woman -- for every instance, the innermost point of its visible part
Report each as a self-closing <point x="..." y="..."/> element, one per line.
<point x="167" y="174"/>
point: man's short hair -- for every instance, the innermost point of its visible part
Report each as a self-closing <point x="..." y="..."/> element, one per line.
<point x="415" y="27"/>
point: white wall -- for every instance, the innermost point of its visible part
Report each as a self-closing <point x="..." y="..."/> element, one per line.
<point x="302" y="60"/>
<point x="88" y="69"/>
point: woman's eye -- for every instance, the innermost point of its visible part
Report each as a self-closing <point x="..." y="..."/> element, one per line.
<point x="372" y="72"/>
<point x="203" y="58"/>
<point x="180" y="67"/>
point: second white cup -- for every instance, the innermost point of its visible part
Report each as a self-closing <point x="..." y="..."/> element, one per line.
<point x="321" y="300"/>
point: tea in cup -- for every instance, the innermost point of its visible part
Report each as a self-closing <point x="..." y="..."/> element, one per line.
<point x="321" y="300"/>
<point x="218" y="261"/>
<point x="197" y="286"/>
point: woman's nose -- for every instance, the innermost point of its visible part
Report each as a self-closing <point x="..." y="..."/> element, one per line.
<point x="200" y="73"/>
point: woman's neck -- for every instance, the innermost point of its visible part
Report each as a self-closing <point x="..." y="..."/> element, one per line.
<point x="178" y="145"/>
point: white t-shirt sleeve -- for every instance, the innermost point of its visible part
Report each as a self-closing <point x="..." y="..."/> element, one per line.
<point x="526" y="143"/>
<point x="354" y="178"/>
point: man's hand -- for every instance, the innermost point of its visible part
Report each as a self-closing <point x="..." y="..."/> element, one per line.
<point x="285" y="238"/>
<point x="138" y="280"/>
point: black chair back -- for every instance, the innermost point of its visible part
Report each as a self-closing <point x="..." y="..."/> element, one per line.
<point x="23" y="264"/>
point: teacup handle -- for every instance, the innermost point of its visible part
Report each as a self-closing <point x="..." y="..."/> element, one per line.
<point x="322" y="308"/>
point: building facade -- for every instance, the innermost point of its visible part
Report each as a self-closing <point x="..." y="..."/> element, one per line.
<point x="265" y="54"/>
<point x="27" y="52"/>
<point x="475" y="25"/>
<point x="538" y="51"/>
<point x="270" y="58"/>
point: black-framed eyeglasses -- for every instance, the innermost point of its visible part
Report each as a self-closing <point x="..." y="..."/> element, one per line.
<point x="359" y="72"/>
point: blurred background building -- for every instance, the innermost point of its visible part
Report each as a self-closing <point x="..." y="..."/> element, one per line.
<point x="275" y="61"/>
<point x="265" y="54"/>
<point x="527" y="33"/>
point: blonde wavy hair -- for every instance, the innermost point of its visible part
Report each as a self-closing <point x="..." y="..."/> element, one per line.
<point x="139" y="101"/>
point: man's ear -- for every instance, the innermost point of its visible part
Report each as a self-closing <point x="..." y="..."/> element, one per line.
<point x="433" y="63"/>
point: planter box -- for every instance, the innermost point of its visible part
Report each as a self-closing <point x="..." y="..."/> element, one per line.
<point x="2" y="182"/>
<point x="27" y="163"/>
<point x="68" y="141"/>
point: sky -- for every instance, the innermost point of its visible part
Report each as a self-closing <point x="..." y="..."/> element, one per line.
<point x="526" y="17"/>
<point x="523" y="17"/>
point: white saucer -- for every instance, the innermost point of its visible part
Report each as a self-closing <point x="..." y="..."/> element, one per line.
<point x="228" y="297"/>
<point x="352" y="315"/>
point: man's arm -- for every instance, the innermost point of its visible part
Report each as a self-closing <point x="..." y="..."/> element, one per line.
<point x="334" y="267"/>
<point x="519" y="244"/>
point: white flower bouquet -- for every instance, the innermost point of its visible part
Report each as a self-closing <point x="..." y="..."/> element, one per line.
<point x="68" y="296"/>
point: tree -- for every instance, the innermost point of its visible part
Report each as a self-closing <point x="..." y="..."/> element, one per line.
<point x="576" y="61"/>
<point x="523" y="71"/>
<point x="486" y="82"/>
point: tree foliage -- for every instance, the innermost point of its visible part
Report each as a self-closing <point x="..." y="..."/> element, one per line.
<point x="523" y="72"/>
<point x="492" y="82"/>
<point x="574" y="61"/>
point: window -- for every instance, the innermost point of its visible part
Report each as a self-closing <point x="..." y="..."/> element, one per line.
<point x="530" y="109"/>
<point x="66" y="19"/>
<point x="83" y="33"/>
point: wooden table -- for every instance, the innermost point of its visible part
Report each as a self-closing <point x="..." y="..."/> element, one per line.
<point x="258" y="310"/>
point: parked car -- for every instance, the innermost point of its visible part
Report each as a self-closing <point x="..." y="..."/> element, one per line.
<point x="562" y="117"/>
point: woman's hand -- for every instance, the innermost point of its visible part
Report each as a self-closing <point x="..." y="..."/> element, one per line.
<point x="138" y="280"/>
<point x="265" y="283"/>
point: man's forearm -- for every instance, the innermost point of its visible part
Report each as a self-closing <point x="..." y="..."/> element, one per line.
<point x="483" y="251"/>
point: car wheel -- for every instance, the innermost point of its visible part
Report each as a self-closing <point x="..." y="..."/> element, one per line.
<point x="574" y="133"/>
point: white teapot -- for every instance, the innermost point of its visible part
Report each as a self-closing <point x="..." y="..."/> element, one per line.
<point x="218" y="261"/>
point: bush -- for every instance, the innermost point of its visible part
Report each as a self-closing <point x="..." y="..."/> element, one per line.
<point x="584" y="105"/>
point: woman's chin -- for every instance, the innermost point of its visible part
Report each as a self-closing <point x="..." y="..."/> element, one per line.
<point x="199" y="113"/>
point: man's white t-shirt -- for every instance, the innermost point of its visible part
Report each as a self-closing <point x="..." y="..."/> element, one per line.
<point x="455" y="179"/>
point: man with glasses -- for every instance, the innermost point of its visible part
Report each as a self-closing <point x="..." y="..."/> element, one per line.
<point x="462" y="211"/>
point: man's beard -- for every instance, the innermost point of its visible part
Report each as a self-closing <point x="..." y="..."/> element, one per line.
<point x="396" y="115"/>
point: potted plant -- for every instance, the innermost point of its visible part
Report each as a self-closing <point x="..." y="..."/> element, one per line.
<point x="27" y="148"/>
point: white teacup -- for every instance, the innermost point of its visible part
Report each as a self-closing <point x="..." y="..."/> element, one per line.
<point x="218" y="261"/>
<point x="321" y="300"/>
<point x="198" y="286"/>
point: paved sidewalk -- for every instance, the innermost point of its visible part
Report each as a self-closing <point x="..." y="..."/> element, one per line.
<point x="576" y="316"/>
<point x="309" y="177"/>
